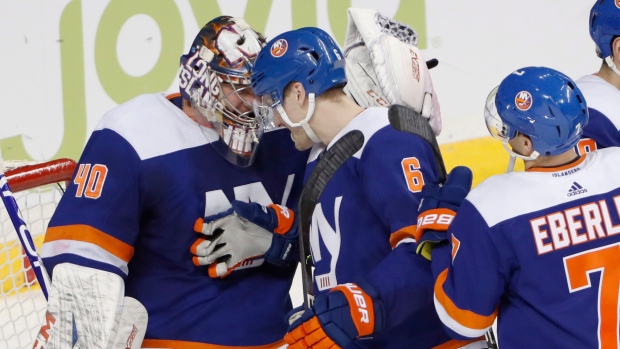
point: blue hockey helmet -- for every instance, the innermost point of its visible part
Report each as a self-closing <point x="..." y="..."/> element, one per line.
<point x="605" y="25"/>
<point x="541" y="103"/>
<point x="306" y="55"/>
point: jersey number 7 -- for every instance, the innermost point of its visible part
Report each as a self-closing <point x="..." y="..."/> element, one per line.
<point x="605" y="260"/>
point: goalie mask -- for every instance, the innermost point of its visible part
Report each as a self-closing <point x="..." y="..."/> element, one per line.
<point x="215" y="77"/>
<point x="541" y="103"/>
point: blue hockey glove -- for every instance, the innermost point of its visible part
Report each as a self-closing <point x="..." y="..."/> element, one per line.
<point x="244" y="236"/>
<point x="338" y="317"/>
<point x="438" y="207"/>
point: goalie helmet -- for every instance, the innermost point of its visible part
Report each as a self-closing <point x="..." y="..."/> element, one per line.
<point x="306" y="55"/>
<point x="215" y="77"/>
<point x="605" y="25"/>
<point x="541" y="103"/>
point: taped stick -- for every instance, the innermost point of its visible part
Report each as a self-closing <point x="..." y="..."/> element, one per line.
<point x="329" y="162"/>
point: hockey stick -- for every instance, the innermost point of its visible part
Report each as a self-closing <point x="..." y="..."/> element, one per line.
<point x="407" y="120"/>
<point x="331" y="159"/>
<point x="23" y="233"/>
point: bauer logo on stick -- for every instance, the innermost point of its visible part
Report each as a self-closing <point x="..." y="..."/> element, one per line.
<point x="279" y="48"/>
<point x="523" y="100"/>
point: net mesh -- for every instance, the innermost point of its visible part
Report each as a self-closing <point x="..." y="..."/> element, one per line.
<point x="22" y="304"/>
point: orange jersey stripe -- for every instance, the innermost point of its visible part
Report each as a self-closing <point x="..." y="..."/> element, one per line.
<point x="464" y="317"/>
<point x="172" y="344"/>
<point x="454" y="344"/>
<point x="404" y="233"/>
<point x="173" y="95"/>
<point x="85" y="233"/>
<point x="559" y="168"/>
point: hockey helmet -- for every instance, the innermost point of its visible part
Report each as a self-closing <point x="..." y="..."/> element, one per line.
<point x="541" y="103"/>
<point x="306" y="55"/>
<point x="215" y="77"/>
<point x="605" y="25"/>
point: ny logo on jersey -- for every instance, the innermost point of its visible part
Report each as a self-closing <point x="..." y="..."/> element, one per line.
<point x="320" y="229"/>
<point x="216" y="200"/>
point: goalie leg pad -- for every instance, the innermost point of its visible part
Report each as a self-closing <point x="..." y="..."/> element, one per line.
<point x="84" y="310"/>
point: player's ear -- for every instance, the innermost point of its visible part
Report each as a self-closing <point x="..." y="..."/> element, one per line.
<point x="615" y="48"/>
<point x="299" y="93"/>
<point x="526" y="141"/>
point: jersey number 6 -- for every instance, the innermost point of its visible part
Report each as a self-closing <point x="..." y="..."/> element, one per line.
<point x="413" y="175"/>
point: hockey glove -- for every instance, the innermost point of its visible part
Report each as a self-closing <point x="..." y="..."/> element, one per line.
<point x="438" y="208"/>
<point x="338" y="317"/>
<point x="244" y="236"/>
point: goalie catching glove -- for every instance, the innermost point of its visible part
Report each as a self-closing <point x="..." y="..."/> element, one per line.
<point x="244" y="236"/>
<point x="438" y="208"/>
<point x="385" y="66"/>
<point x="337" y="317"/>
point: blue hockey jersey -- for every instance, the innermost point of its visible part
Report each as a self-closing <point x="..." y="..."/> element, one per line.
<point x="540" y="250"/>
<point x="603" y="100"/>
<point x="147" y="173"/>
<point x="362" y="228"/>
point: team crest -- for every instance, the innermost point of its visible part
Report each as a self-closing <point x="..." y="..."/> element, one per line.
<point x="523" y="100"/>
<point x="618" y="3"/>
<point x="279" y="48"/>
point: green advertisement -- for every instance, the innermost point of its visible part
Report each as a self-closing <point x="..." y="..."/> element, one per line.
<point x="120" y="86"/>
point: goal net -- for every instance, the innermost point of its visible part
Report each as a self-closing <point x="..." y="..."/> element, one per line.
<point x="37" y="188"/>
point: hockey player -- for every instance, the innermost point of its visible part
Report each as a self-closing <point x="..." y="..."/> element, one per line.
<point x="602" y="90"/>
<point x="537" y="249"/>
<point x="127" y="223"/>
<point x="361" y="243"/>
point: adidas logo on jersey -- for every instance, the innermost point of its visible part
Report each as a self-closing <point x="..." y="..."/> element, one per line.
<point x="576" y="189"/>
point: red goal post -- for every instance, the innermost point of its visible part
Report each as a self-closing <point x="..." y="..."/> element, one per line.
<point x="37" y="188"/>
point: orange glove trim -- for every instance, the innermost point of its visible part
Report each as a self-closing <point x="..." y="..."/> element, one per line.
<point x="436" y="219"/>
<point x="362" y="308"/>
<point x="286" y="218"/>
<point x="194" y="246"/>
<point x="198" y="225"/>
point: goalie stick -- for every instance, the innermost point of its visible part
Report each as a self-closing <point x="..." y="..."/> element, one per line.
<point x="329" y="161"/>
<point x="25" y="174"/>
<point x="406" y="119"/>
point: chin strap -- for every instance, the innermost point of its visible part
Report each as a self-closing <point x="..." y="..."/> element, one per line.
<point x="303" y="123"/>
<point x="514" y="156"/>
<point x="610" y="62"/>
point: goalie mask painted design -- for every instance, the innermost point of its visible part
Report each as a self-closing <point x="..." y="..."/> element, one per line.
<point x="541" y="103"/>
<point x="215" y="77"/>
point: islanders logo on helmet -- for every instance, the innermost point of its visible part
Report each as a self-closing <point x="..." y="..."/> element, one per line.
<point x="279" y="48"/>
<point x="523" y="100"/>
<point x="618" y="3"/>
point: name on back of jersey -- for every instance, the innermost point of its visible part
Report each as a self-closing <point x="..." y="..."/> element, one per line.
<point x="575" y="225"/>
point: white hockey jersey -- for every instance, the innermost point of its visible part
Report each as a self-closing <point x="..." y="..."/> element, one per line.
<point x="603" y="100"/>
